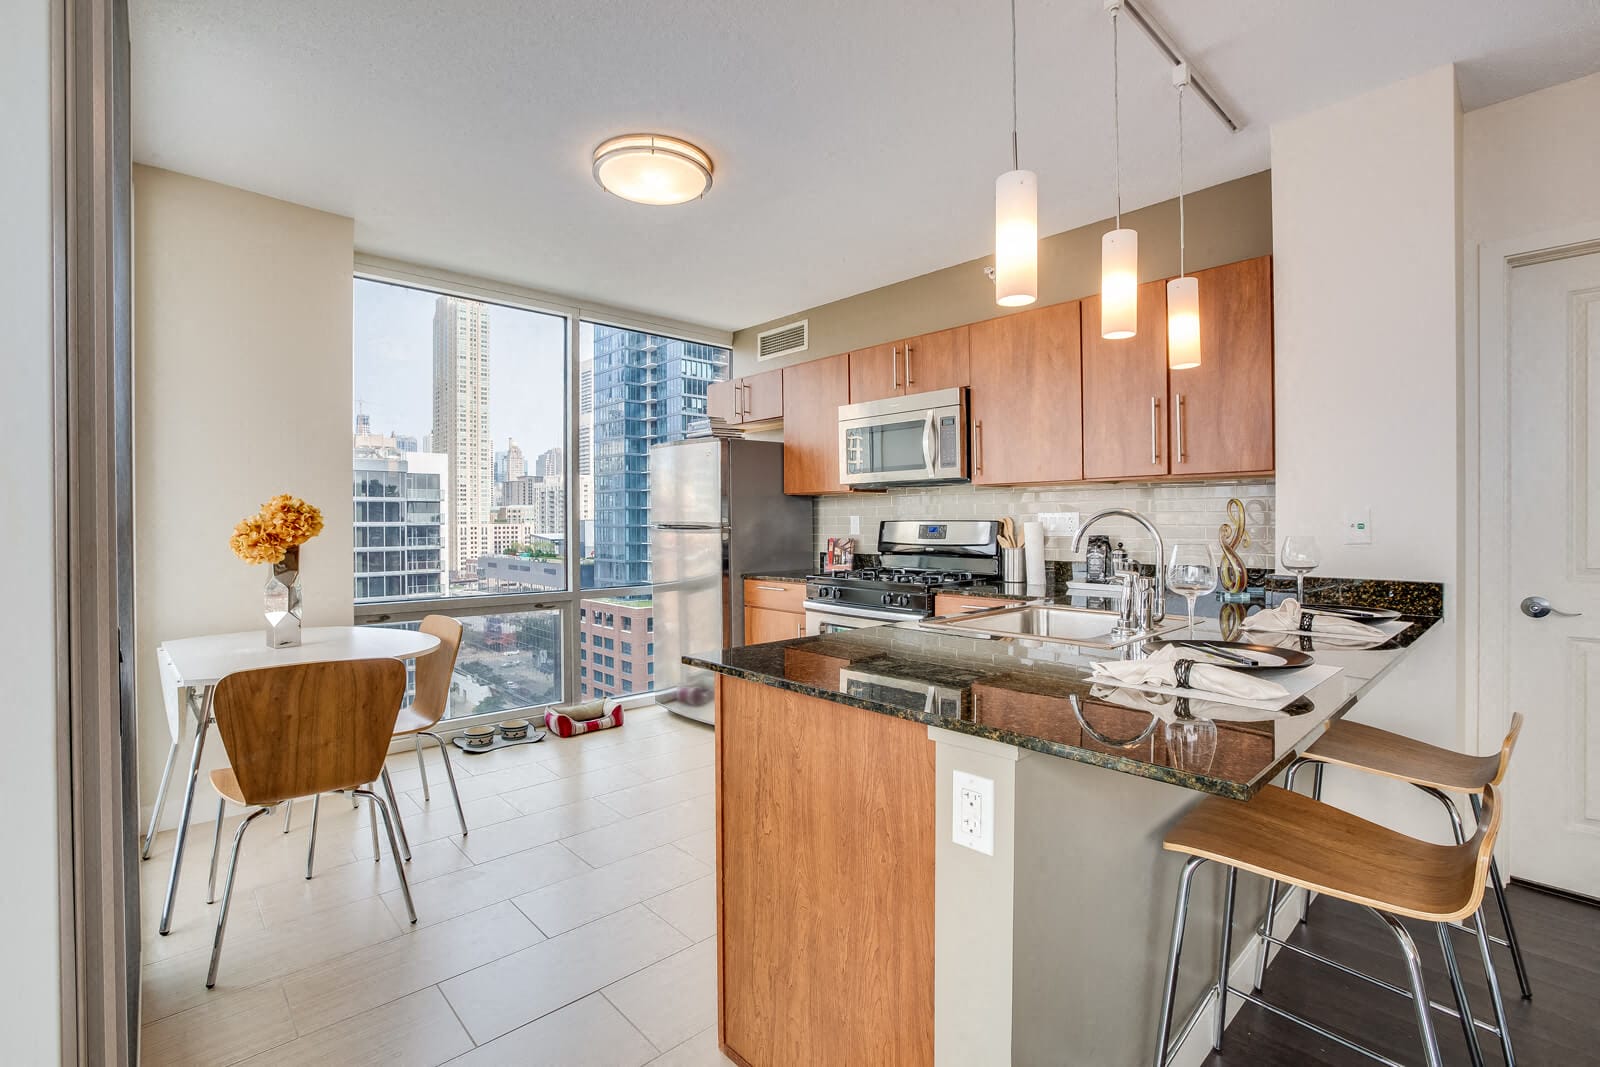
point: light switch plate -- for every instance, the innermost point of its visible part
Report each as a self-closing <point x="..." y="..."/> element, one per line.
<point x="1060" y="523"/>
<point x="1358" y="526"/>
<point x="972" y="812"/>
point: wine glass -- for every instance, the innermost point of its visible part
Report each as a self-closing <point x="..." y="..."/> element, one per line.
<point x="1191" y="571"/>
<point x="1301" y="556"/>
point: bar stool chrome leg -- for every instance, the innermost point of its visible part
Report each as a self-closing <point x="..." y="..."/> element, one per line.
<point x="1221" y="1022"/>
<point x="1459" y="988"/>
<point x="1419" y="990"/>
<point x="1170" y="990"/>
<point x="1505" y="912"/>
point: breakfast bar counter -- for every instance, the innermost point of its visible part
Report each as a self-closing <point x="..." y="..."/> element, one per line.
<point x="853" y="929"/>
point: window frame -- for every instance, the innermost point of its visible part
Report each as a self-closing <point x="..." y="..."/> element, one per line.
<point x="566" y="602"/>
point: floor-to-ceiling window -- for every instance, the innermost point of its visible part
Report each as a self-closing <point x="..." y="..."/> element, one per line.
<point x="500" y="458"/>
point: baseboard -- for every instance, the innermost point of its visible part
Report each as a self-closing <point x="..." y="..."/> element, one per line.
<point x="1196" y="1044"/>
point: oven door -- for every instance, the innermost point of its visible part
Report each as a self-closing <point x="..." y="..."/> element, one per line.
<point x="835" y="618"/>
<point x="914" y="440"/>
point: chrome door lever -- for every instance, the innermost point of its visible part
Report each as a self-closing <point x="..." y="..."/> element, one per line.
<point x="1537" y="607"/>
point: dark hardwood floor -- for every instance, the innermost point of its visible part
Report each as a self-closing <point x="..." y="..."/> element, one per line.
<point x="1560" y="1025"/>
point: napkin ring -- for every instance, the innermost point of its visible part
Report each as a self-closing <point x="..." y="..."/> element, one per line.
<point x="1305" y="621"/>
<point x="1180" y="672"/>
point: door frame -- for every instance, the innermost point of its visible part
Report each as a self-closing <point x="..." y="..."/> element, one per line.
<point x="1486" y="593"/>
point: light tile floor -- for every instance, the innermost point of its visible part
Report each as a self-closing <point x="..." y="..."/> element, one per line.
<point x="575" y="924"/>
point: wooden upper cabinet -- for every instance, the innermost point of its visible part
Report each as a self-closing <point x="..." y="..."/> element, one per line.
<point x="812" y="395"/>
<point x="876" y="372"/>
<point x="1125" y="392"/>
<point x="1027" y="397"/>
<point x="915" y="365"/>
<point x="936" y="360"/>
<point x="1221" y="411"/>
<point x="722" y="400"/>
<point x="755" y="398"/>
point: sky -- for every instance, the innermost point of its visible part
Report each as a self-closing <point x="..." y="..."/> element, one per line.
<point x="393" y="334"/>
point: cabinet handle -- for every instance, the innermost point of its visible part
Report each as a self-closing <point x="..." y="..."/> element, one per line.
<point x="802" y="632"/>
<point x="747" y="398"/>
<point x="738" y="399"/>
<point x="772" y="588"/>
<point x="909" y="376"/>
<point x="1182" y="451"/>
<point x="1155" y="429"/>
<point x="894" y="367"/>
<point x="980" y="446"/>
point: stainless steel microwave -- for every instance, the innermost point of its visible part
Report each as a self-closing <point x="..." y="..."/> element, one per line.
<point x="919" y="439"/>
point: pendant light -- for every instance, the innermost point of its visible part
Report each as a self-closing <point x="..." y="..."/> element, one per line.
<point x="1183" y="292"/>
<point x="1119" y="249"/>
<point x="1016" y="216"/>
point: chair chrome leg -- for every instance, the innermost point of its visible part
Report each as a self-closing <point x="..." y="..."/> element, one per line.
<point x="372" y="824"/>
<point x="422" y="768"/>
<point x="311" y="847"/>
<point x="1459" y="988"/>
<point x="1419" y="989"/>
<point x="1169" y="992"/>
<point x="161" y="801"/>
<point x="450" y="773"/>
<point x="1222" y="963"/>
<point x="1494" y="990"/>
<point x="383" y="809"/>
<point x="394" y="805"/>
<point x="216" y="847"/>
<point x="288" y="814"/>
<point x="1505" y="910"/>
<point x="1450" y="808"/>
<point x="227" y="895"/>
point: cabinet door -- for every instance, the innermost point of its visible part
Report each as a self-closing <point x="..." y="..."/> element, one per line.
<point x="724" y="399"/>
<point x="1221" y="411"/>
<point x="763" y="396"/>
<point x="1125" y="392"/>
<point x="1027" y="397"/>
<point x="812" y="395"/>
<point x="764" y="624"/>
<point x="877" y="372"/>
<point x="935" y="360"/>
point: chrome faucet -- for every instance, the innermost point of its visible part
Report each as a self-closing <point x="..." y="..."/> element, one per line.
<point x="1143" y="604"/>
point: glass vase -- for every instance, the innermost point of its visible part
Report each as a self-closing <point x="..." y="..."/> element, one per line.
<point x="281" y="602"/>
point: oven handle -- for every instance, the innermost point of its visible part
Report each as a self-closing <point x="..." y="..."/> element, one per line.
<point x="828" y="607"/>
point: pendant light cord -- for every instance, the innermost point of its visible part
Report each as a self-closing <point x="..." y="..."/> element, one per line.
<point x="1014" y="164"/>
<point x="1116" y="116"/>
<point x="1181" y="87"/>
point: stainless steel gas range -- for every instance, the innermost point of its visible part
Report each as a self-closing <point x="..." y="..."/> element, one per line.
<point x="918" y="559"/>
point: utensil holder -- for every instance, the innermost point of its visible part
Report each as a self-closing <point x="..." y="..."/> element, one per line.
<point x="1013" y="565"/>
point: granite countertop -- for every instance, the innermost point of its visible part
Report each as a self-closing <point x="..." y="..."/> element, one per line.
<point x="1020" y="692"/>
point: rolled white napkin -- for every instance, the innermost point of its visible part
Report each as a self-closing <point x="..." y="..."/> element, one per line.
<point x="1161" y="668"/>
<point x="1164" y="706"/>
<point x="1289" y="617"/>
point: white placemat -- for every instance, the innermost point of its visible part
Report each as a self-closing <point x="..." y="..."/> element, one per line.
<point x="1297" y="682"/>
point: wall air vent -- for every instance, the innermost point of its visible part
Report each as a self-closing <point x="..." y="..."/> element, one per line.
<point x="782" y="341"/>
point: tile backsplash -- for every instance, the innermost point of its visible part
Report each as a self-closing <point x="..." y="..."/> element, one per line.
<point x="1182" y="512"/>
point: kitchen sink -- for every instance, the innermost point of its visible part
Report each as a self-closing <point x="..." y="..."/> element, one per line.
<point x="1048" y="622"/>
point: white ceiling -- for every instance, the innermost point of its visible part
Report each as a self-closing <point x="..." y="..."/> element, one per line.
<point x="856" y="143"/>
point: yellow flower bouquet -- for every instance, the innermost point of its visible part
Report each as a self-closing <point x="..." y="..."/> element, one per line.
<point x="284" y="523"/>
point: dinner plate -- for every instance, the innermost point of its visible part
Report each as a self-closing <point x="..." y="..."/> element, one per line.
<point x="1351" y="613"/>
<point x="1265" y="657"/>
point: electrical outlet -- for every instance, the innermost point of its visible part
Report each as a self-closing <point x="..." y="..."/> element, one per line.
<point x="855" y="524"/>
<point x="1060" y="523"/>
<point x="972" y="812"/>
<point x="1358" y="526"/>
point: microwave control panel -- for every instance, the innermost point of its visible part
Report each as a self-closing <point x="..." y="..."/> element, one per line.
<point x="949" y="443"/>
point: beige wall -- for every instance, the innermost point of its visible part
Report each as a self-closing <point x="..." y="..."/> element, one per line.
<point x="1366" y="274"/>
<point x="1226" y="223"/>
<point x="242" y="320"/>
<point x="30" y="1003"/>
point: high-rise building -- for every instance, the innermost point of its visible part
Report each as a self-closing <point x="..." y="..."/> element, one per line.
<point x="647" y="390"/>
<point x="552" y="463"/>
<point x="397" y="523"/>
<point x="405" y="442"/>
<point x="539" y="500"/>
<point x="461" y="423"/>
<point x="516" y="462"/>
<point x="616" y="647"/>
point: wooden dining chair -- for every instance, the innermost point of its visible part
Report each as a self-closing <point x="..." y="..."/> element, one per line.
<point x="300" y="730"/>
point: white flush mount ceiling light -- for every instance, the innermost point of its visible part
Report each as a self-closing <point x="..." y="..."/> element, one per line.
<point x="1183" y="292"/>
<point x="648" y="168"/>
<point x="1119" y="249"/>
<point x="1016" y="216"/>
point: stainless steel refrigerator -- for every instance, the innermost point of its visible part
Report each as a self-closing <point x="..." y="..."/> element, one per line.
<point x="717" y="511"/>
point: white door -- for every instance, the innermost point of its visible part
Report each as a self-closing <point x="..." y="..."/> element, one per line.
<point x="1553" y="807"/>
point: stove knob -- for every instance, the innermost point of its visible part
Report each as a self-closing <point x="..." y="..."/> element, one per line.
<point x="888" y="600"/>
<point x="823" y="592"/>
<point x="902" y="600"/>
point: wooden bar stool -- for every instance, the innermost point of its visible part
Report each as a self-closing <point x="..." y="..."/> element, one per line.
<point x="1437" y="772"/>
<point x="1292" y="838"/>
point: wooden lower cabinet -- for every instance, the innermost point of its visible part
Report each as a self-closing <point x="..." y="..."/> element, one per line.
<point x="825" y="878"/>
<point x="767" y="624"/>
